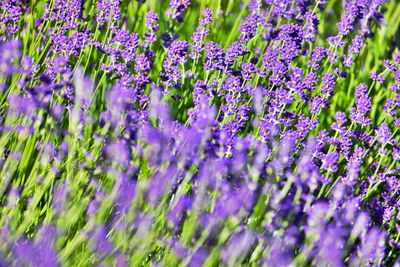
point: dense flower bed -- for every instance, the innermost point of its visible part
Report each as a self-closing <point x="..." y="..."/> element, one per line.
<point x="204" y="132"/>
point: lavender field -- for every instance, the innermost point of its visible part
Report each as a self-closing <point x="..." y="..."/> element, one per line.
<point x="199" y="133"/>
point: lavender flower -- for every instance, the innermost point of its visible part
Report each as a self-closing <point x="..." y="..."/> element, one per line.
<point x="329" y="162"/>
<point x="376" y="76"/>
<point x="328" y="84"/>
<point x="178" y="7"/>
<point x="356" y="45"/>
<point x="248" y="29"/>
<point x="116" y="149"/>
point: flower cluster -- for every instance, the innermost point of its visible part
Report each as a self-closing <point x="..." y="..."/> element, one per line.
<point x="194" y="133"/>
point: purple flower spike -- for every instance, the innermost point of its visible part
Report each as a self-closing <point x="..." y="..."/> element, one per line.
<point x="329" y="162"/>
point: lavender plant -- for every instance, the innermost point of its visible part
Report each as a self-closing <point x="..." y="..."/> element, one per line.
<point x="199" y="133"/>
